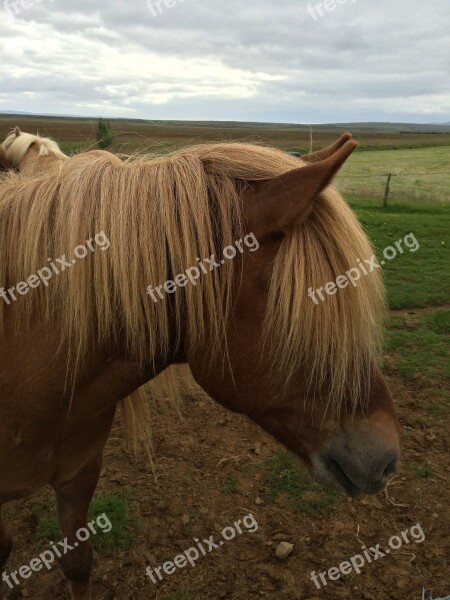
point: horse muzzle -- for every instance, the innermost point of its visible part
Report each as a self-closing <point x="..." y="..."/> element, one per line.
<point x="358" y="460"/>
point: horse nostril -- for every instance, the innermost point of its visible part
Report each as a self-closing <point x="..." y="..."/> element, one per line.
<point x="391" y="468"/>
<point x="368" y="475"/>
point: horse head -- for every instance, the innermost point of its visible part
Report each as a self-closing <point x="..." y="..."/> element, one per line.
<point x="20" y="146"/>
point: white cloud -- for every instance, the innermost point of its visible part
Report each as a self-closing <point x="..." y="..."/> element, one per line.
<point x="258" y="60"/>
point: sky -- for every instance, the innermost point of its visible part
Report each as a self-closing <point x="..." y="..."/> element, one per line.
<point x="286" y="61"/>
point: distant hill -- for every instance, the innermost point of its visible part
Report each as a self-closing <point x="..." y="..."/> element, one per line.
<point x="375" y="127"/>
<point x="30" y="114"/>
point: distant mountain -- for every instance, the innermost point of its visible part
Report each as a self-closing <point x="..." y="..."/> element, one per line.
<point x="15" y="112"/>
<point x="369" y="127"/>
<point x="30" y="114"/>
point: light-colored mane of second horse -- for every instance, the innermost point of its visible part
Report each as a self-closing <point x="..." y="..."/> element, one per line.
<point x="31" y="153"/>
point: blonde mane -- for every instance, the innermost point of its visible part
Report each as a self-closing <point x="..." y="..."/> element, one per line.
<point x="16" y="146"/>
<point x="160" y="214"/>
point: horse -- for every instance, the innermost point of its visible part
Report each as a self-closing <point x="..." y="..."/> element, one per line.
<point x="231" y="236"/>
<point x="31" y="153"/>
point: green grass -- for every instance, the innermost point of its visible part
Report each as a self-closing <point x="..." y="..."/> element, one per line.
<point x="413" y="279"/>
<point x="439" y="322"/>
<point x="229" y="486"/>
<point x="421" y="471"/>
<point x="287" y="480"/>
<point x="422" y="351"/>
<point x="420" y="355"/>
<point x="47" y="527"/>
<point x="114" y="506"/>
<point x="74" y="147"/>
<point x="420" y="174"/>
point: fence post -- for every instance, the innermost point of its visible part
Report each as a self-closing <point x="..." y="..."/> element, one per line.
<point x="386" y="191"/>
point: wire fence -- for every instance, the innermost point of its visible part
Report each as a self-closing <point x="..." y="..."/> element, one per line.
<point x="393" y="187"/>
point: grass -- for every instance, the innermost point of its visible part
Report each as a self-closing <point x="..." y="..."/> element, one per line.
<point x="421" y="471"/>
<point x="47" y="527"/>
<point x="229" y="486"/>
<point x="114" y="506"/>
<point x="420" y="174"/>
<point x="420" y="355"/>
<point x="413" y="279"/>
<point x="288" y="481"/>
<point x="423" y="350"/>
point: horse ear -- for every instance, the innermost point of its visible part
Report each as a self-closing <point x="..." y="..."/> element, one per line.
<point x="329" y="151"/>
<point x="17" y="131"/>
<point x="275" y="205"/>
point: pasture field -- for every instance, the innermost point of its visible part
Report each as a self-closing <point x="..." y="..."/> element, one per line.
<point x="419" y="174"/>
<point x="214" y="467"/>
<point x="414" y="279"/>
<point x="76" y="134"/>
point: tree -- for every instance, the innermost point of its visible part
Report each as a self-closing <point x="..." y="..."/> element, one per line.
<point x="104" y="134"/>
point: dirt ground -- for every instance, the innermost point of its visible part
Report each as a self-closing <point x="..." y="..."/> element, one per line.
<point x="204" y="484"/>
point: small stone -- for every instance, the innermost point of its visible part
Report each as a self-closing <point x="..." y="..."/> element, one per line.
<point x="284" y="550"/>
<point x="257" y="449"/>
<point x="185" y="519"/>
<point x="259" y="501"/>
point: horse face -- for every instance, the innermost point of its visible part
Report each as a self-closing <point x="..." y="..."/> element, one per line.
<point x="353" y="449"/>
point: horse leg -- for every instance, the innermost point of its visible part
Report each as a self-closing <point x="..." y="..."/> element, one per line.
<point x="73" y="500"/>
<point x="5" y="549"/>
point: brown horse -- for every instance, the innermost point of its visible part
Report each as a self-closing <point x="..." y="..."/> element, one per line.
<point x="72" y="348"/>
<point x="29" y="155"/>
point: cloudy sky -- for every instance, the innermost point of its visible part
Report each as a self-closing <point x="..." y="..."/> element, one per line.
<point x="288" y="61"/>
